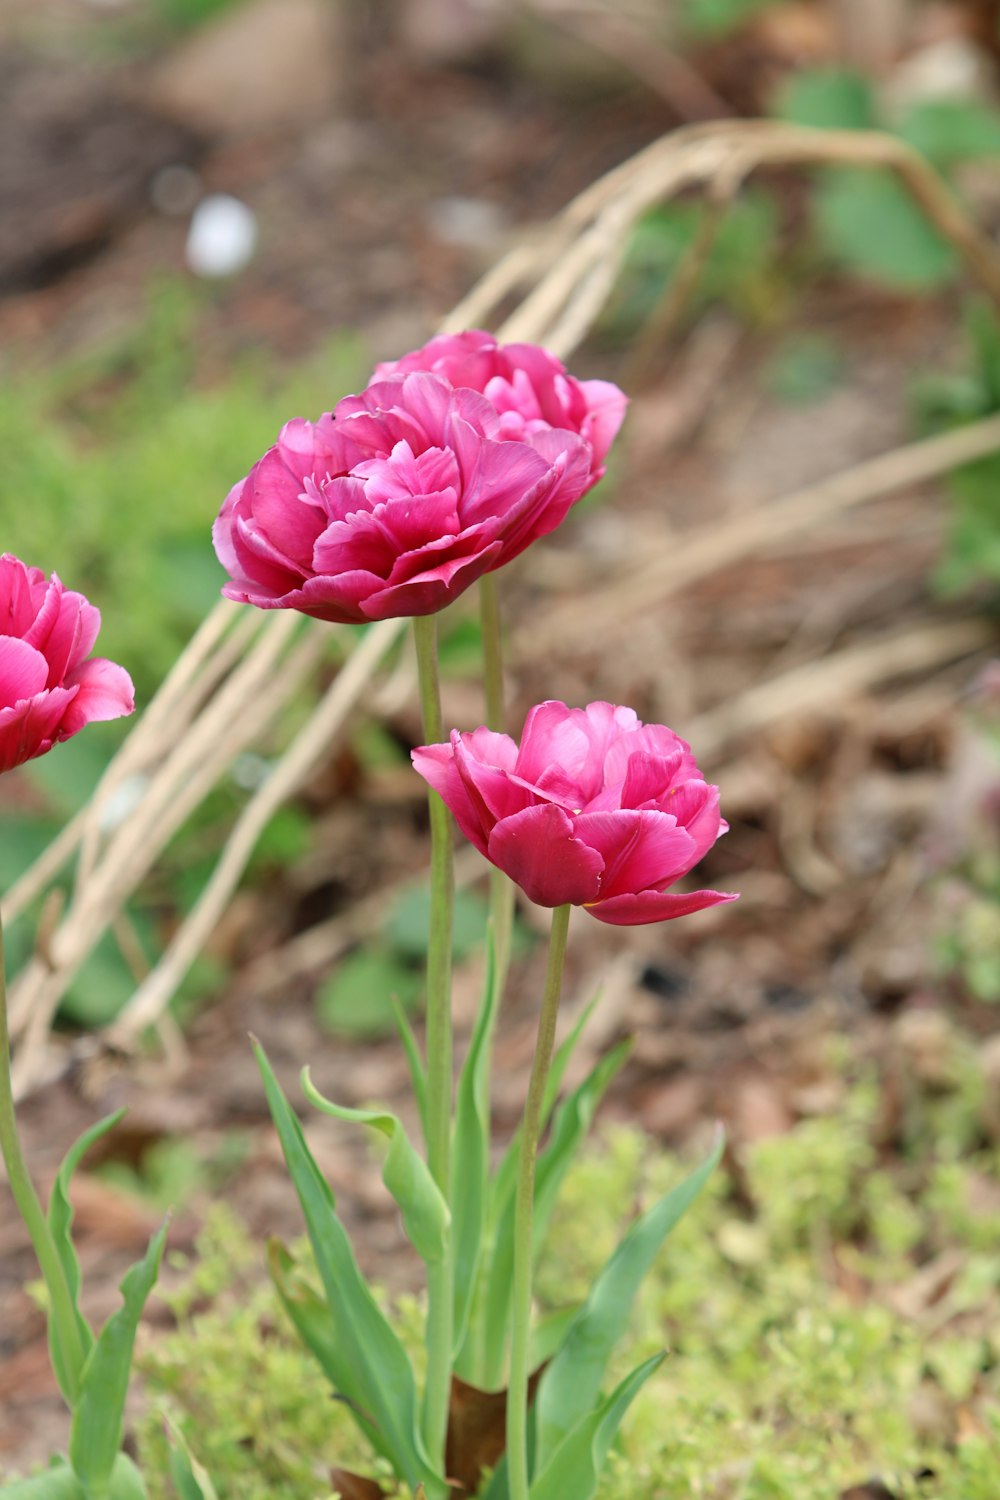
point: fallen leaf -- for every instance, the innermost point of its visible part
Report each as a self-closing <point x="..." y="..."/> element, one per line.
<point x="477" y="1430"/>
<point x="355" y="1486"/>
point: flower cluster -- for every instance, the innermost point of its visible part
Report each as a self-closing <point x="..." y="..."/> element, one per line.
<point x="48" y="688"/>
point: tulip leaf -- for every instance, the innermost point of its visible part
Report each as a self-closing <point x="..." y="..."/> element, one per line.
<point x="471" y="1153"/>
<point x="569" y="1126"/>
<point x="575" y="1465"/>
<point x="60" y="1217"/>
<point x="310" y="1314"/>
<point x="190" y="1479"/>
<point x="418" y="1073"/>
<point x="376" y="1373"/>
<point x="99" y="1413"/>
<point x="573" y="1380"/>
<point x="58" y="1482"/>
<point x="405" y="1173"/>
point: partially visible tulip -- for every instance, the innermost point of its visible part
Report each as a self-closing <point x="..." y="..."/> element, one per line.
<point x="528" y="386"/>
<point x="593" y="808"/>
<point x="393" y="504"/>
<point x="48" y="688"/>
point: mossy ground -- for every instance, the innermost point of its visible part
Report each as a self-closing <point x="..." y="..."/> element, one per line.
<point x="829" y="1307"/>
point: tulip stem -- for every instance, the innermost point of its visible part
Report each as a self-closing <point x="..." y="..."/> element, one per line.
<point x="517" y="1390"/>
<point x="440" y="1276"/>
<point x="64" y="1329"/>
<point x="501" y="887"/>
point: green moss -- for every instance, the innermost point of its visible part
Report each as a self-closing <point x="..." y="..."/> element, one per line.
<point x="813" y="1320"/>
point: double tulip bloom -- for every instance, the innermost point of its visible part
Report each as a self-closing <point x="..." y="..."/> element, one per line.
<point x="48" y="688"/>
<point x="593" y="808"/>
<point x="446" y="467"/>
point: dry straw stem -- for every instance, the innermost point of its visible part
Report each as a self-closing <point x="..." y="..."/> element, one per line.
<point x="238" y="673"/>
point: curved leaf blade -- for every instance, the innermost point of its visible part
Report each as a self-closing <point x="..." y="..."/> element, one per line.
<point x="99" y="1416"/>
<point x="575" y="1466"/>
<point x="380" y="1377"/>
<point x="573" y="1380"/>
<point x="426" y="1218"/>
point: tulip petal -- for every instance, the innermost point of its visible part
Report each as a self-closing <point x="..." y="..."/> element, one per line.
<point x="437" y="765"/>
<point x="23" y="671"/>
<point x="640" y="850"/>
<point x="105" y="692"/>
<point x="655" y="906"/>
<point x="32" y="726"/>
<point x="537" y="848"/>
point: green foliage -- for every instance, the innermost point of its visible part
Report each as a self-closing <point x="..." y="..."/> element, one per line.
<point x="716" y="18"/>
<point x="865" y="218"/>
<point x="793" y="1370"/>
<point x="942" y="402"/>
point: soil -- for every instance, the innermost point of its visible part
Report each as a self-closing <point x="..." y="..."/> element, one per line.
<point x="377" y="216"/>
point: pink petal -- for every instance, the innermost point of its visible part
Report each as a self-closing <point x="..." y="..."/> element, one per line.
<point x="483" y="760"/>
<point x="105" y="692"/>
<point x="436" y="764"/>
<point x="23" y="671"/>
<point x="275" y="495"/>
<point x="538" y="850"/>
<point x="640" y="849"/>
<point x="31" y="727"/>
<point x="654" y="906"/>
<point x="606" y="406"/>
<point x="432" y="590"/>
<point x="651" y="780"/>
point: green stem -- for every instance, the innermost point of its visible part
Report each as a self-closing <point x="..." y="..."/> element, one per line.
<point x="501" y="888"/>
<point x="64" y="1328"/>
<point x="440" y="1310"/>
<point x="517" y="1390"/>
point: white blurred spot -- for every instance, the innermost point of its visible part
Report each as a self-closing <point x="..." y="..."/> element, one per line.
<point x="123" y="800"/>
<point x="250" y="771"/>
<point x="222" y="236"/>
<point x="468" y="223"/>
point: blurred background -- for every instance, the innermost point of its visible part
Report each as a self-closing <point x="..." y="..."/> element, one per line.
<point x="217" y="214"/>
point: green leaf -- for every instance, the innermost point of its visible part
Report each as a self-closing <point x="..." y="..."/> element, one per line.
<point x="405" y="1173"/>
<point x="357" y="1000"/>
<point x="828" y="99"/>
<point x="376" y="1374"/>
<point x="575" y="1466"/>
<point x="60" y="1218"/>
<point x="572" y="1120"/>
<point x="98" y="1420"/>
<point x="190" y="1479"/>
<point x="948" y="131"/>
<point x="408" y="923"/>
<point x="310" y="1315"/>
<point x="470" y="1167"/>
<point x="57" y="1483"/>
<point x="868" y="220"/>
<point x="418" y="1073"/>
<point x="126" y="1481"/>
<point x="572" y="1382"/>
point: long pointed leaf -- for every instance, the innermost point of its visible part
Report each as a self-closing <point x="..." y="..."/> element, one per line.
<point x="573" y="1379"/>
<point x="190" y="1478"/>
<point x="405" y="1173"/>
<point x="471" y="1153"/>
<point x="312" y="1320"/>
<point x="570" y="1125"/>
<point x="60" y="1217"/>
<point x="575" y="1466"/>
<point x="379" y="1375"/>
<point x="99" y="1417"/>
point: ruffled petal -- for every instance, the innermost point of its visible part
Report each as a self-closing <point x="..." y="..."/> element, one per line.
<point x="655" y="906"/>
<point x="31" y="727"/>
<point x="23" y="671"/>
<point x="641" y="850"/>
<point x="537" y="848"/>
<point x="105" y="692"/>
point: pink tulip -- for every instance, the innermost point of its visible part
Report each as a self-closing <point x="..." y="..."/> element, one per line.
<point x="593" y="808"/>
<point x="48" y="691"/>
<point x="527" y="385"/>
<point x="393" y="504"/>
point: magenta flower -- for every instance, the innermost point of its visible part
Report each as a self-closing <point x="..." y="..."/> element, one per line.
<point x="527" y="385"/>
<point x="393" y="504"/>
<point x="48" y="691"/>
<point x="593" y="808"/>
